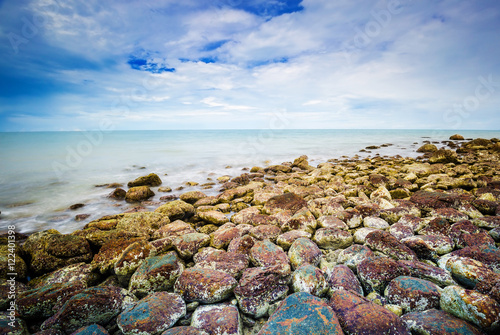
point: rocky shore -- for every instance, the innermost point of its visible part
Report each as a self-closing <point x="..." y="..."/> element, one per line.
<point x="382" y="245"/>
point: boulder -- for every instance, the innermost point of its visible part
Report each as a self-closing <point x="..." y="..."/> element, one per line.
<point x="428" y="272"/>
<point x="353" y="255"/>
<point x="375" y="273"/>
<point x="109" y="253"/>
<point x="332" y="238"/>
<point x="151" y="179"/>
<point x="204" y="285"/>
<point x="139" y="193"/>
<point x="266" y="253"/>
<point x="214" y="217"/>
<point x="87" y="330"/>
<point x="438" y="322"/>
<point x="263" y="232"/>
<point x="176" y="210"/>
<point x="218" y="319"/>
<point x="192" y="197"/>
<point x="286" y="201"/>
<point x="302" y="251"/>
<point x="343" y="278"/>
<point x="286" y="240"/>
<point x="184" y="330"/>
<point x="229" y="262"/>
<point x="413" y="294"/>
<point x="153" y="314"/>
<point x="310" y="279"/>
<point x="131" y="258"/>
<point x="427" y="148"/>
<point x="386" y="243"/>
<point x="189" y="244"/>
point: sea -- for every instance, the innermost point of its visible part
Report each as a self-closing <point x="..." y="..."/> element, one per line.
<point x="42" y="174"/>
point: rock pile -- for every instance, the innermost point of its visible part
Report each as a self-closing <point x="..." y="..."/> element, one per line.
<point x="372" y="246"/>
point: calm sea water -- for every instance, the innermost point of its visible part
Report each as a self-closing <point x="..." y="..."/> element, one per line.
<point x="43" y="173"/>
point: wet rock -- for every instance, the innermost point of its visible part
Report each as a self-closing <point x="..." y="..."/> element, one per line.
<point x="332" y="238"/>
<point x="471" y="306"/>
<point x="428" y="272"/>
<point x="358" y="315"/>
<point x="157" y="273"/>
<point x="266" y="253"/>
<point x="286" y="201"/>
<point x="218" y="319"/>
<point x="439" y="244"/>
<point x="302" y="313"/>
<point x="87" y="330"/>
<point x="302" y="163"/>
<point x="303" y="251"/>
<point x="259" y="287"/>
<point x="151" y="179"/>
<point x="343" y="278"/>
<point x="263" y="232"/>
<point x="375" y="273"/>
<point x="39" y="303"/>
<point x="142" y="223"/>
<point x="192" y="197"/>
<point x="214" y="217"/>
<point x="361" y="233"/>
<point x="467" y="271"/>
<point x="95" y="305"/>
<point x="308" y="278"/>
<point x="386" y="243"/>
<point x="189" y="244"/>
<point x="486" y="254"/>
<point x="413" y="294"/>
<point x="153" y="314"/>
<point x="285" y="240"/>
<point x="427" y="148"/>
<point x="375" y="222"/>
<point x="353" y="255"/>
<point x="174" y="229"/>
<point x="109" y="253"/>
<point x="302" y="220"/>
<point x="443" y="156"/>
<point x="242" y="245"/>
<point x="49" y="250"/>
<point x="437" y="322"/>
<point x="131" y="258"/>
<point x="184" y="330"/>
<point x="229" y="262"/>
<point x="138" y="193"/>
<point x="118" y="193"/>
<point x="330" y="221"/>
<point x="204" y="285"/>
<point x="176" y="210"/>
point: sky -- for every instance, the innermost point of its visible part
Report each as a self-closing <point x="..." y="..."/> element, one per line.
<point x="249" y="64"/>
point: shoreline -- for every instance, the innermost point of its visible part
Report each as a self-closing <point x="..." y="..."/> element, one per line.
<point x="441" y="209"/>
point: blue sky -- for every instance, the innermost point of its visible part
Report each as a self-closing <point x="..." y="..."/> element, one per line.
<point x="196" y="64"/>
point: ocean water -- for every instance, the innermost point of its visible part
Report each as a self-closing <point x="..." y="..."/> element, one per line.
<point x="43" y="173"/>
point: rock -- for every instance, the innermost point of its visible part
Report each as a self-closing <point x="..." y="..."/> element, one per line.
<point x="138" y="193"/>
<point x="176" y="210"/>
<point x="155" y="274"/>
<point x="467" y="271"/>
<point x="131" y="258"/>
<point x="87" y="330"/>
<point x="486" y="254"/>
<point x="436" y="227"/>
<point x="375" y="222"/>
<point x="204" y="285"/>
<point x="229" y="262"/>
<point x="489" y="222"/>
<point x="308" y="278"/>
<point x="427" y="201"/>
<point x="413" y="294"/>
<point x="286" y="240"/>
<point x="12" y="326"/>
<point x="263" y="232"/>
<point x="153" y="314"/>
<point x="266" y="253"/>
<point x="457" y="137"/>
<point x="110" y="252"/>
<point x="151" y="179"/>
<point x="330" y="221"/>
<point x="343" y="278"/>
<point x="353" y="255"/>
<point x="49" y="250"/>
<point x="361" y="233"/>
<point x="95" y="305"/>
<point x="352" y="218"/>
<point x="375" y="273"/>
<point x="39" y="303"/>
<point x="12" y="262"/>
<point x="443" y="156"/>
<point x="221" y="238"/>
<point x="427" y="148"/>
<point x="192" y="197"/>
<point x="242" y="245"/>
<point x="471" y="306"/>
<point x="449" y="214"/>
<point x="189" y="244"/>
<point x="428" y="272"/>
<point x="174" y="229"/>
<point x="400" y="231"/>
<point x="303" y="251"/>
<point x="437" y="244"/>
<point x="302" y="313"/>
<point x="381" y="192"/>
<point x="286" y="201"/>
<point x="302" y="163"/>
<point x="184" y="330"/>
<point x="358" y="315"/>
<point x="259" y="287"/>
<point x="437" y="322"/>
<point x="384" y="242"/>
<point x="164" y="189"/>
<point x="218" y="319"/>
<point x="302" y="220"/>
<point x="214" y="217"/>
<point x="332" y="238"/>
<point x="118" y="193"/>
<point x="142" y="223"/>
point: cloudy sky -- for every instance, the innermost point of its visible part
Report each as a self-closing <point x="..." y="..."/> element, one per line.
<point x="191" y="64"/>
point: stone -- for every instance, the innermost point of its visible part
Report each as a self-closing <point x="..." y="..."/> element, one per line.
<point x="437" y="227"/>
<point x="302" y="163"/>
<point x="263" y="232"/>
<point x="332" y="238"/>
<point x="221" y="238"/>
<point x="343" y="278"/>
<point x="229" y="262"/>
<point x="443" y="156"/>
<point x="302" y="313"/>
<point x="467" y="271"/>
<point x="184" y="330"/>
<point x="381" y="192"/>
<point x="95" y="305"/>
<point x="330" y="221"/>
<point x="188" y="245"/>
<point x="438" y="322"/>
<point x="358" y="315"/>
<point x="429" y="272"/>
<point x="241" y="245"/>
<point x="353" y="255"/>
<point x="266" y="253"/>
<point x="302" y="220"/>
<point x="400" y="231"/>
<point x="176" y="210"/>
<point x="118" y="193"/>
<point x="427" y="148"/>
<point x="204" y="285"/>
<point x="361" y="233"/>
<point x="386" y="243"/>
<point x="308" y="278"/>
<point x="439" y="244"/>
<point x="457" y="137"/>
<point x="487" y="254"/>
<point x="88" y="330"/>
<point x="13" y="326"/>
<point x="142" y="223"/>
<point x="302" y="251"/>
<point x="286" y="240"/>
<point x="286" y="201"/>
<point x="218" y="319"/>
<point x="413" y="294"/>
<point x="138" y="193"/>
<point x="259" y="287"/>
<point x="489" y="222"/>
<point x="157" y="273"/>
<point x="49" y="250"/>
<point x="174" y="229"/>
<point x="375" y="222"/>
<point x="375" y="273"/>
<point x="153" y="314"/>
<point x="472" y="306"/>
<point x="214" y="217"/>
<point x="131" y="258"/>
<point x="192" y="197"/>
<point x="151" y="179"/>
<point x="109" y="253"/>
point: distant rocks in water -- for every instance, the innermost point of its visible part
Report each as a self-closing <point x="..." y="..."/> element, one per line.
<point x="164" y="189"/>
<point x="118" y="193"/>
<point x="428" y="147"/>
<point x="81" y="217"/>
<point x="383" y="245"/>
<point x="457" y="137"/>
<point x="76" y="206"/>
<point x="151" y="179"/>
